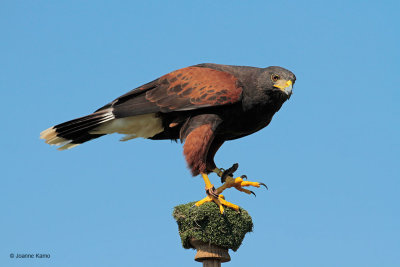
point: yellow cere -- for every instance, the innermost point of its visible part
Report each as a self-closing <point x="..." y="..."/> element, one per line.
<point x="282" y="84"/>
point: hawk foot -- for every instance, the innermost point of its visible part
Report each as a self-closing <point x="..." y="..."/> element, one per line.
<point x="219" y="200"/>
<point x="237" y="183"/>
<point x="211" y="192"/>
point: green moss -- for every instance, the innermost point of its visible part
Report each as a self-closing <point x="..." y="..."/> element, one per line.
<point x="207" y="224"/>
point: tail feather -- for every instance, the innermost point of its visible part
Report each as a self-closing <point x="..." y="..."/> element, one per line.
<point x="74" y="132"/>
<point x="77" y="128"/>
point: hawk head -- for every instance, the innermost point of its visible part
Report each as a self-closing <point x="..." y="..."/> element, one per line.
<point x="278" y="80"/>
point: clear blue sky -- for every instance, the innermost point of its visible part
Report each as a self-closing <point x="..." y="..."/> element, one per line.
<point x="330" y="155"/>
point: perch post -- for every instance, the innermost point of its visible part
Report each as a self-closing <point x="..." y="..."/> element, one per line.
<point x="209" y="254"/>
<point x="204" y="228"/>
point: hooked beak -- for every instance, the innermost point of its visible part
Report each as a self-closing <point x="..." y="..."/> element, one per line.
<point x="284" y="86"/>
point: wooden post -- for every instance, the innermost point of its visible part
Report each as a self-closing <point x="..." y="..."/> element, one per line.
<point x="209" y="254"/>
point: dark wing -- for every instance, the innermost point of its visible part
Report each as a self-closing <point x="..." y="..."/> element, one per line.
<point x="184" y="89"/>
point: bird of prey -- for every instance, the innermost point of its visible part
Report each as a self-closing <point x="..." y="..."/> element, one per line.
<point x="202" y="105"/>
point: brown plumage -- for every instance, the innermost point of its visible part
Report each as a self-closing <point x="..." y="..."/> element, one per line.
<point x="196" y="147"/>
<point x="203" y="106"/>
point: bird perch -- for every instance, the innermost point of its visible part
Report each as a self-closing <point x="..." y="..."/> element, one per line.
<point x="212" y="234"/>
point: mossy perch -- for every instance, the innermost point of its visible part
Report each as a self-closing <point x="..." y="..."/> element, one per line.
<point x="206" y="224"/>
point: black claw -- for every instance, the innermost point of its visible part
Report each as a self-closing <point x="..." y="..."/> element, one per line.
<point x="253" y="193"/>
<point x="243" y="176"/>
<point x="229" y="172"/>
<point x="264" y="185"/>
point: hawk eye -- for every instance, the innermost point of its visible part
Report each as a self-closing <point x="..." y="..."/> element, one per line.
<point x="275" y="77"/>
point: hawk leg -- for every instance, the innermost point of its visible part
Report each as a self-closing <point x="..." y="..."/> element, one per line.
<point x="212" y="195"/>
<point x="238" y="183"/>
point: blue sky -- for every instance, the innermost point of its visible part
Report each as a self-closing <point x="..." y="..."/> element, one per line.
<point x="330" y="156"/>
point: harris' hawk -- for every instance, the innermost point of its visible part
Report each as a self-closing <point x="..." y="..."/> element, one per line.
<point x="202" y="105"/>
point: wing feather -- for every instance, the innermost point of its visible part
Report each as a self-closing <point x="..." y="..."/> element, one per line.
<point x="184" y="89"/>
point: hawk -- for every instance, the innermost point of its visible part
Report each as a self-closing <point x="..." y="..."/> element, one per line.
<point x="202" y="105"/>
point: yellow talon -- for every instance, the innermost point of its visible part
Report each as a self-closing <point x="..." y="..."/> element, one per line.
<point x="246" y="183"/>
<point x="218" y="199"/>
<point x="209" y="185"/>
<point x="204" y="200"/>
<point x="228" y="204"/>
<point x="215" y="195"/>
<point x="218" y="202"/>
<point x="238" y="183"/>
<point x="245" y="190"/>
